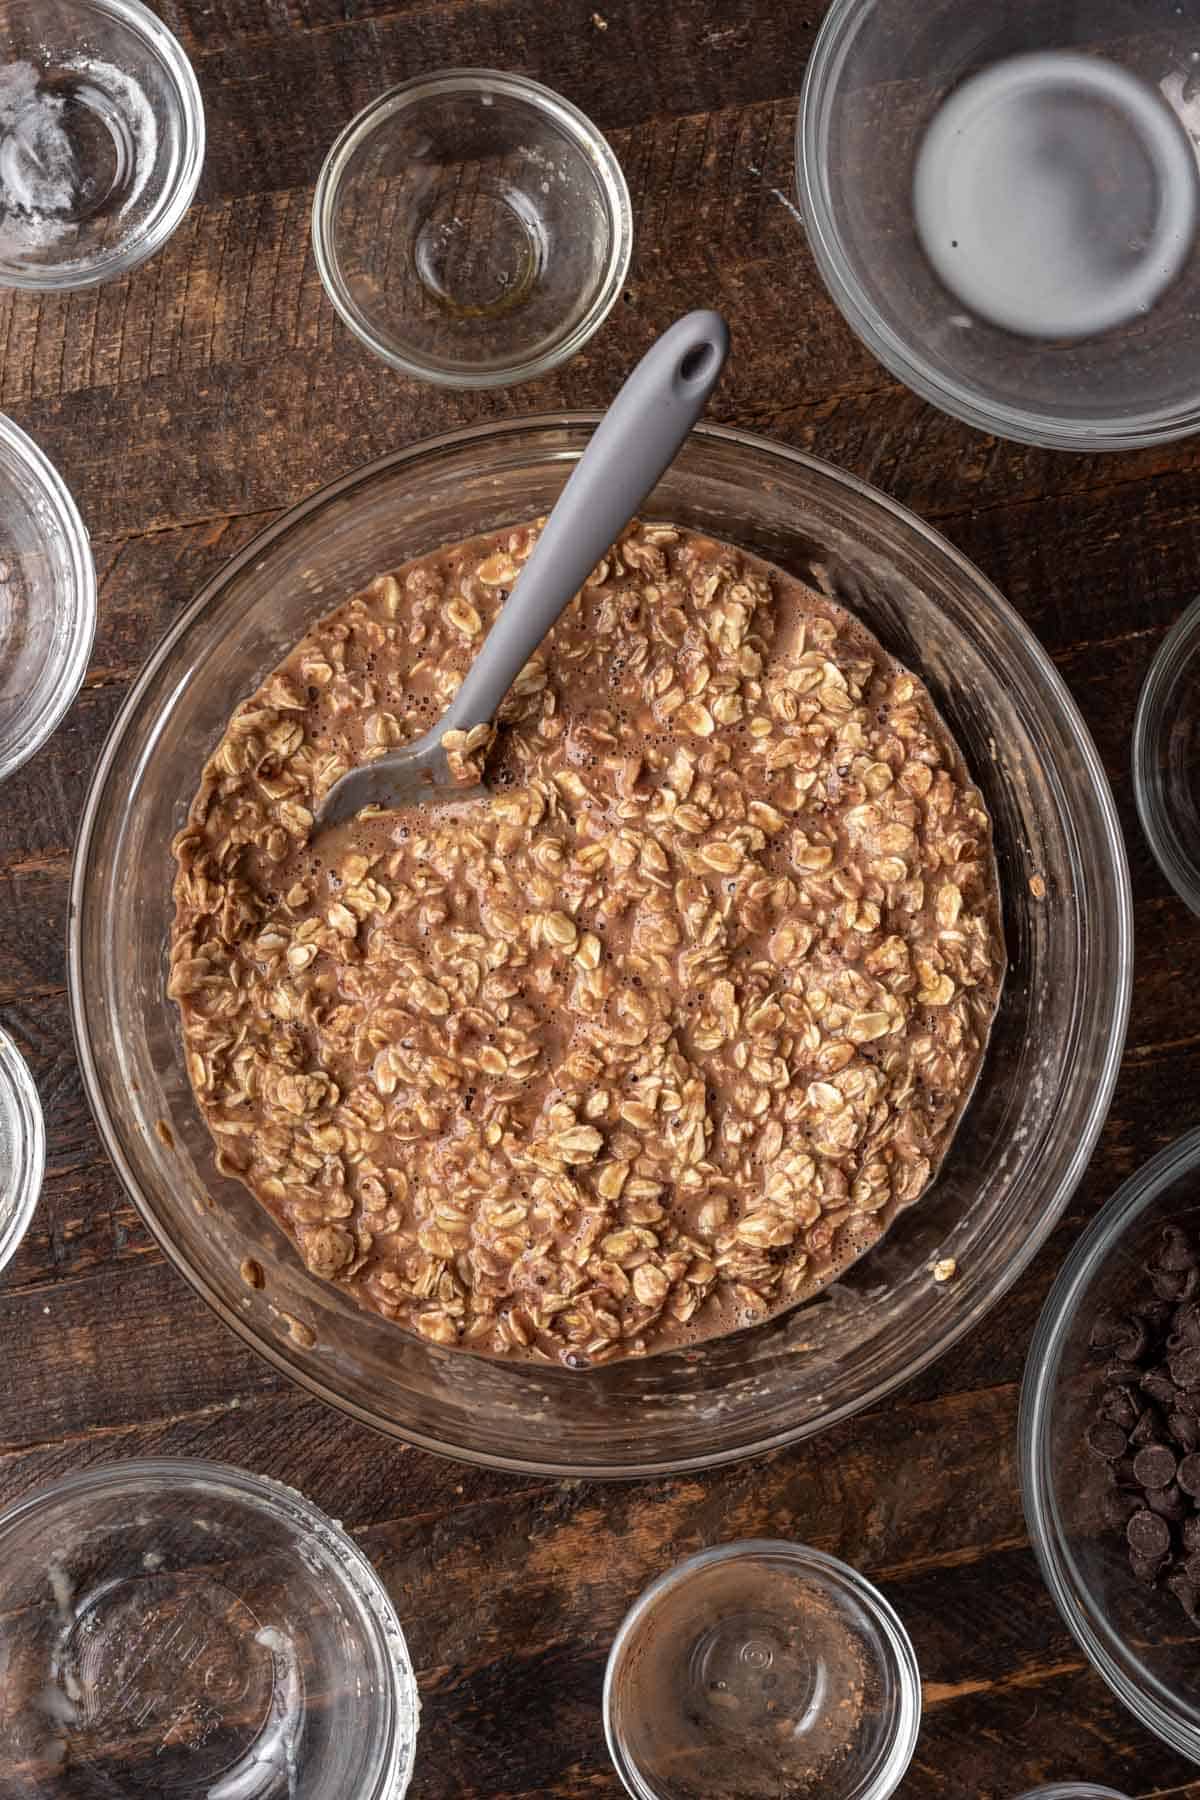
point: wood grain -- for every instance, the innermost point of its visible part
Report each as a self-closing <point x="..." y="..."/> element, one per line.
<point x="190" y="402"/>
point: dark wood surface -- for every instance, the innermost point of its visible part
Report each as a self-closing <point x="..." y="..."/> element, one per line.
<point x="189" y="403"/>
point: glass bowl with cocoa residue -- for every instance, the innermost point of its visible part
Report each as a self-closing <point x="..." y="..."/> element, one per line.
<point x="1135" y="1635"/>
<point x="1035" y="1112"/>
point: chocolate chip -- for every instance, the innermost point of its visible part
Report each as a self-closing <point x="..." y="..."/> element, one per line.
<point x="1126" y="1373"/>
<point x="1119" y="1406"/>
<point x="1148" y="1430"/>
<point x="1174" y="1249"/>
<point x="1154" y="1466"/>
<point x="1185" y="1368"/>
<point x="1109" y="1441"/>
<point x="1159" y="1387"/>
<point x="1189" y="1474"/>
<point x="1191" y="1567"/>
<point x="1148" y="1535"/>
<point x="1125" y="1335"/>
<point x="1147" y="1568"/>
<point x="1108" y="1329"/>
<point x="1190" y="1535"/>
<point x="1173" y="1284"/>
<point x="1168" y="1502"/>
<point x="1184" y="1429"/>
<point x="1185" y="1323"/>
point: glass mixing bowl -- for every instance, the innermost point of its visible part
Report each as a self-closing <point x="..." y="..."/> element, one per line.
<point x="1136" y="1637"/>
<point x="1036" y="1111"/>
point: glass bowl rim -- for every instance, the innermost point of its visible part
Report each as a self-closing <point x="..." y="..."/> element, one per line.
<point x="1072" y="1790"/>
<point x="892" y="1630"/>
<point x="1151" y="1704"/>
<point x="1172" y="655"/>
<point x="17" y="1078"/>
<point x="1051" y="431"/>
<point x="185" y="1474"/>
<point x="1055" y="689"/>
<point x="147" y="26"/>
<point x="583" y="133"/>
<point x="54" y="490"/>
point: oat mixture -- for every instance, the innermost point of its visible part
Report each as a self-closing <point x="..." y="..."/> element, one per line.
<point x="644" y="1049"/>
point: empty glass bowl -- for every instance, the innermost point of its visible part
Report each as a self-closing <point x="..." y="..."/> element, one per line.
<point x="177" y="1628"/>
<point x="1136" y="1637"/>
<point x="472" y="228"/>
<point x="1166" y="756"/>
<point x="761" y="1669"/>
<point x="1003" y="201"/>
<point x="47" y="598"/>
<point x="1036" y="1111"/>
<point x="101" y="139"/>
<point x="22" y="1147"/>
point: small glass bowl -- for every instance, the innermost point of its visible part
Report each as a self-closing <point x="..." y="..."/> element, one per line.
<point x="47" y="598"/>
<point x="761" y="1668"/>
<point x="22" y="1147"/>
<point x="472" y="228"/>
<point x="1135" y="1637"/>
<point x="1166" y="756"/>
<point x="172" y="1628"/>
<point x="101" y="140"/>
<point x="880" y="74"/>
<point x="1073" y="1790"/>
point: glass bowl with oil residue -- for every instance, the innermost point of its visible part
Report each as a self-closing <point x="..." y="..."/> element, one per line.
<point x="472" y="228"/>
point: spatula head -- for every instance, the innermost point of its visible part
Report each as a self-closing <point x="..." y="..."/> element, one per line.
<point x="405" y="778"/>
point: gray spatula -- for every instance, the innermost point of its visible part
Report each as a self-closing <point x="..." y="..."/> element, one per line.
<point x="632" y="446"/>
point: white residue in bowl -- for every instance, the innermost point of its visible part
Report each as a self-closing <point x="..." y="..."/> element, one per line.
<point x="78" y="138"/>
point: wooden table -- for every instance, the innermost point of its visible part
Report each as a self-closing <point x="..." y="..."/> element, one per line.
<point x="187" y="405"/>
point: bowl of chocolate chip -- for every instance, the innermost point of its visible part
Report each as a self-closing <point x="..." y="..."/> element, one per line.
<point x="1110" y="1443"/>
<point x="690" y="1087"/>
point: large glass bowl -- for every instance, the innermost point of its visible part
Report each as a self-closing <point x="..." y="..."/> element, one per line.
<point x="1136" y="1637"/>
<point x="1036" y="1111"/>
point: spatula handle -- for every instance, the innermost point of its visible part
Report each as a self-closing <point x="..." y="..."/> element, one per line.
<point x="633" y="444"/>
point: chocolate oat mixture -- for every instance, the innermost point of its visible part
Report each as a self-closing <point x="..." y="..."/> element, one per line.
<point x="645" y="1048"/>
